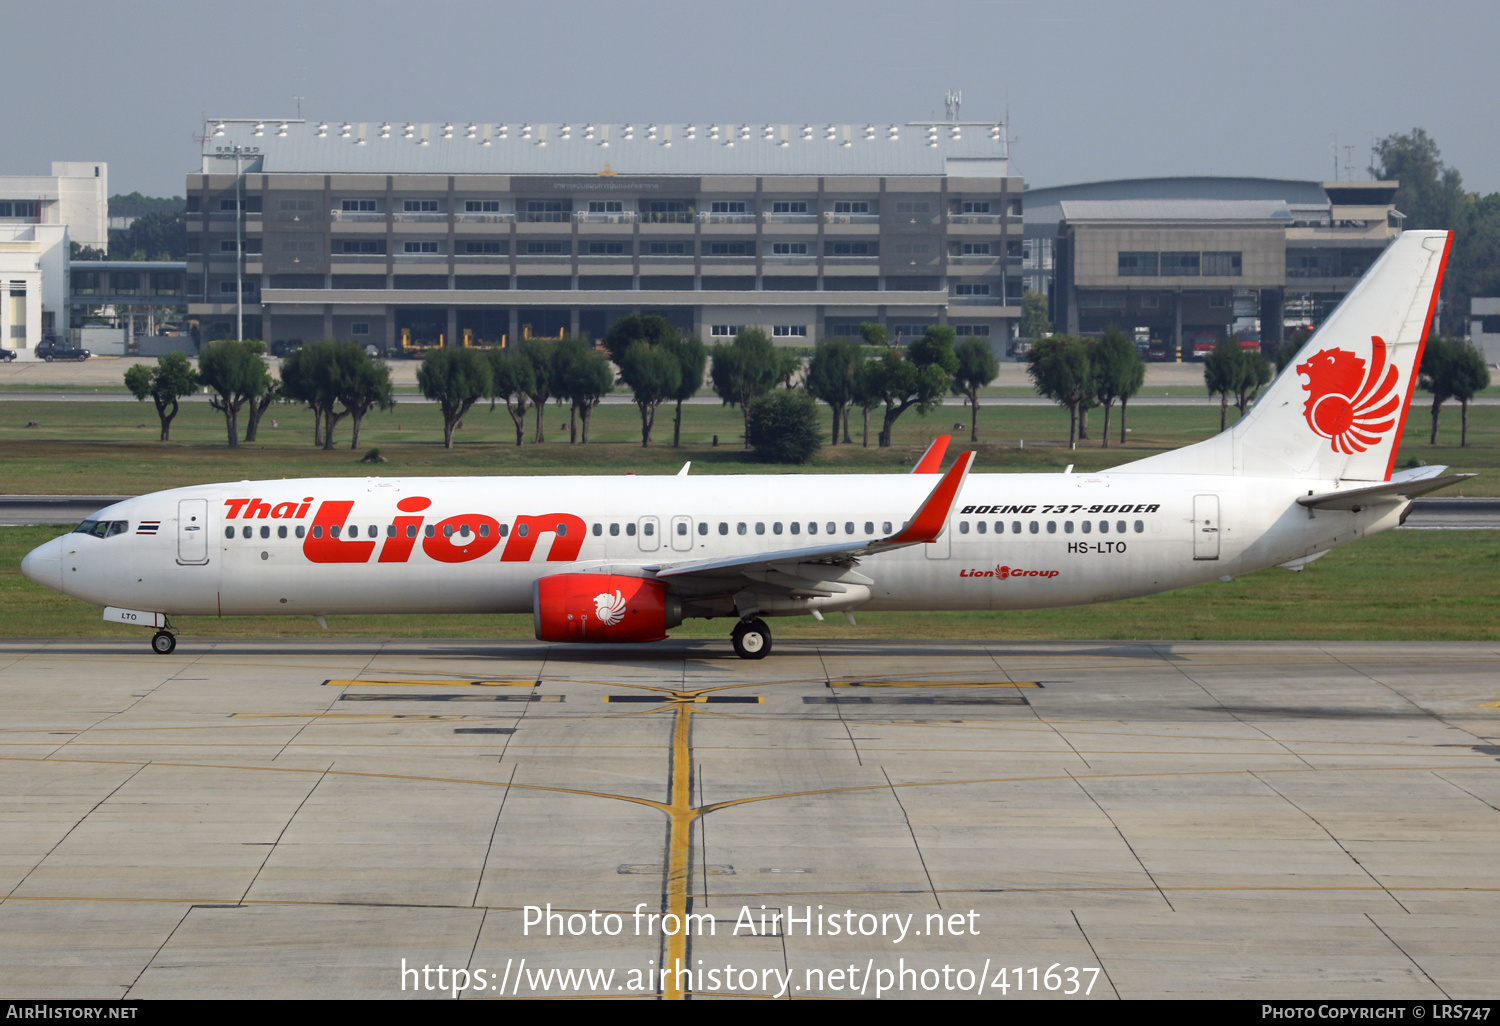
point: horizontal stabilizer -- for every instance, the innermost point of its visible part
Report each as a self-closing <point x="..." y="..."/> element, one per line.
<point x="1389" y="493"/>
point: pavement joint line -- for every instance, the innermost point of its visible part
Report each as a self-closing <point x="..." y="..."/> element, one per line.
<point x="1129" y="847"/>
<point x="1102" y="967"/>
<point x="1426" y="975"/>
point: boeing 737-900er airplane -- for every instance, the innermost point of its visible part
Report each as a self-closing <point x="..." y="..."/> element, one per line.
<point x="625" y="559"/>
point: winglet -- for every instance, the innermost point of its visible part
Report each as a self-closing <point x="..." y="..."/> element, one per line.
<point x="932" y="459"/>
<point x="928" y="522"/>
<point x="684" y="470"/>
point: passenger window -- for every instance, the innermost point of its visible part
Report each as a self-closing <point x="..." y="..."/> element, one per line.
<point x="1104" y="527"/>
<point x="869" y="527"/>
<point x="390" y="531"/>
<point x="630" y="530"/>
<point x="739" y="528"/>
<point x="1035" y="527"/>
<point x="429" y="531"/>
<point x="463" y="530"/>
<point x="1052" y="527"/>
<point x="614" y="530"/>
<point x="963" y="527"/>
<point x="760" y="528"/>
<point x="1087" y="525"/>
<point x="776" y="527"/>
<point x="301" y="530"/>
<point x="521" y="531"/>
<point x="318" y="532"/>
<point x="980" y="525"/>
<point x="562" y="529"/>
<point x="848" y="527"/>
<point x="281" y="531"/>
<point x="831" y="527"/>
<point x="245" y="532"/>
<point x="886" y="527"/>
<point x="682" y="527"/>
<point x="999" y="526"/>
<point x="598" y="530"/>
<point x="484" y="530"/>
<point x="228" y="532"/>
<point x="1119" y="527"/>
<point x="447" y="530"/>
<point x="265" y="532"/>
<point x="796" y="527"/>
<point x="723" y="527"/>
<point x="812" y="527"/>
<point x="702" y="527"/>
<point x="1140" y="526"/>
<point x="504" y="530"/>
<point x="649" y="528"/>
<point x="333" y="532"/>
<point x="1067" y="527"/>
<point x="1015" y="527"/>
<point x="411" y="530"/>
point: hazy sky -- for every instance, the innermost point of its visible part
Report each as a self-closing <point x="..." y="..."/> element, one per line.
<point x="1094" y="89"/>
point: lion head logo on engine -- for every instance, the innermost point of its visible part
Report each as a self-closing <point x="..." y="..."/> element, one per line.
<point x="1347" y="405"/>
<point x="610" y="609"/>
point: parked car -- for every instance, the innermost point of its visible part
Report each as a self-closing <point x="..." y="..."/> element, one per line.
<point x="50" y="350"/>
<point x="7" y="354"/>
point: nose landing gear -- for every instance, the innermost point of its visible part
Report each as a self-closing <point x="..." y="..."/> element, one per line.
<point x="751" y="638"/>
<point x="163" y="642"/>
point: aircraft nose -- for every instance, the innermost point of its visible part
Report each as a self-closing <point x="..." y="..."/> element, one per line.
<point x="43" y="564"/>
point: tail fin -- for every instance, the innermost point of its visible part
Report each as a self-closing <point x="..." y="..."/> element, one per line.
<point x="1338" y="413"/>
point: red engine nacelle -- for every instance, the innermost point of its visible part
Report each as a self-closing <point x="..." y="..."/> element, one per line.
<point x="602" y="607"/>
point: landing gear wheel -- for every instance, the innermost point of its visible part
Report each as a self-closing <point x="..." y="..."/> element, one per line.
<point x="163" y="643"/>
<point x="751" y="638"/>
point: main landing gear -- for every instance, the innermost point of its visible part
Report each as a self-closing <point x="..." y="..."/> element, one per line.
<point x="751" y="638"/>
<point x="163" y="642"/>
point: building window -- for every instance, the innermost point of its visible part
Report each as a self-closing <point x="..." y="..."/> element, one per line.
<point x="362" y="246"/>
<point x="724" y="330"/>
<point x="1222" y="265"/>
<point x="977" y="288"/>
<point x="495" y="248"/>
<point x="481" y="206"/>
<point x="789" y="207"/>
<point x="359" y="206"/>
<point x="976" y="206"/>
<point x="913" y="207"/>
<point x="1489" y="325"/>
<point x="607" y="248"/>
<point x="1137" y="265"/>
<point x="29" y="210"/>
<point x="1183" y="265"/>
<point x="789" y="330"/>
<point x="789" y="248"/>
<point x="296" y="204"/>
<point x="606" y="206"/>
<point x="729" y="248"/>
<point x="548" y="210"/>
<point x="420" y="206"/>
<point x="359" y="328"/>
<point x="851" y="207"/>
<point x="849" y="249"/>
<point x="728" y="207"/>
<point x="982" y="330"/>
<point x="975" y="249"/>
<point x="547" y="248"/>
<point x="668" y="248"/>
<point x="420" y="247"/>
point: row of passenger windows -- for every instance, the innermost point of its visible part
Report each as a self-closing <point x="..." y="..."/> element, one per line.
<point x="795" y="527"/>
<point x="1035" y="526"/>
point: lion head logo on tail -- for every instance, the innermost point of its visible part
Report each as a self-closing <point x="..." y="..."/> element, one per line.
<point x="1346" y="404"/>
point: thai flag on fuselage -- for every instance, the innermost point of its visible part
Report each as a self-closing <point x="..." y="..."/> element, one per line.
<point x="148" y="527"/>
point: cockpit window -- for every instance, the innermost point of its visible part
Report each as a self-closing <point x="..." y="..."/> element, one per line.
<point x="102" y="528"/>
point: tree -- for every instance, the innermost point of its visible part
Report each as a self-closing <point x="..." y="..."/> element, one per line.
<point x="1034" y="322"/>
<point x="455" y="379"/>
<point x="867" y="396"/>
<point x="692" y="361"/>
<point x="744" y="369"/>
<point x="1288" y="350"/>
<point x="977" y="367"/>
<point x="365" y="383"/>
<point x="1221" y="373"/>
<point x="874" y="334"/>
<point x="236" y="373"/>
<point x="783" y="427"/>
<point x="1119" y="373"/>
<point x="831" y="377"/>
<point x="539" y="353"/>
<point x="653" y="376"/>
<point x="158" y="235"/>
<point x="1431" y="194"/>
<point x="312" y="375"/>
<point x="1062" y="370"/>
<point x="583" y="377"/>
<point x="918" y="377"/>
<point x="172" y="379"/>
<point x="632" y="328"/>
<point x="512" y="380"/>
<point x="1452" y="369"/>
<point x="1255" y="374"/>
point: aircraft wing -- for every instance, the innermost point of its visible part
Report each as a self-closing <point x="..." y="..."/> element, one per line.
<point x="924" y="526"/>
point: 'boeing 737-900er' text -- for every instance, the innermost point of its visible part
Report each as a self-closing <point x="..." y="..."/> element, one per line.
<point x="626" y="559"/>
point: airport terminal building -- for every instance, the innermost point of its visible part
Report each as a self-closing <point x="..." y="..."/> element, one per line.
<point x="397" y="234"/>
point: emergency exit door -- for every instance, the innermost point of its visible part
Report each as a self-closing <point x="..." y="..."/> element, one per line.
<point x="192" y="531"/>
<point x="1206" y="527"/>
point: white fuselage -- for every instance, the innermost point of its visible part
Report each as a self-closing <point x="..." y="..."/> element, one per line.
<point x="1013" y="541"/>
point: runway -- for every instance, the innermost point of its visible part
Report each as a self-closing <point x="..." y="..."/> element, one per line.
<point x="293" y="819"/>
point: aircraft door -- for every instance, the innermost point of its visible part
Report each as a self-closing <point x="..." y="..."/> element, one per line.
<point x="192" y="531"/>
<point x="682" y="534"/>
<point x="1206" y="527"/>
<point x="648" y="533"/>
<point x="943" y="547"/>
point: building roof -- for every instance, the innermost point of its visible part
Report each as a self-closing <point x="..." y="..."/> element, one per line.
<point x="579" y="148"/>
<point x="1176" y="210"/>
